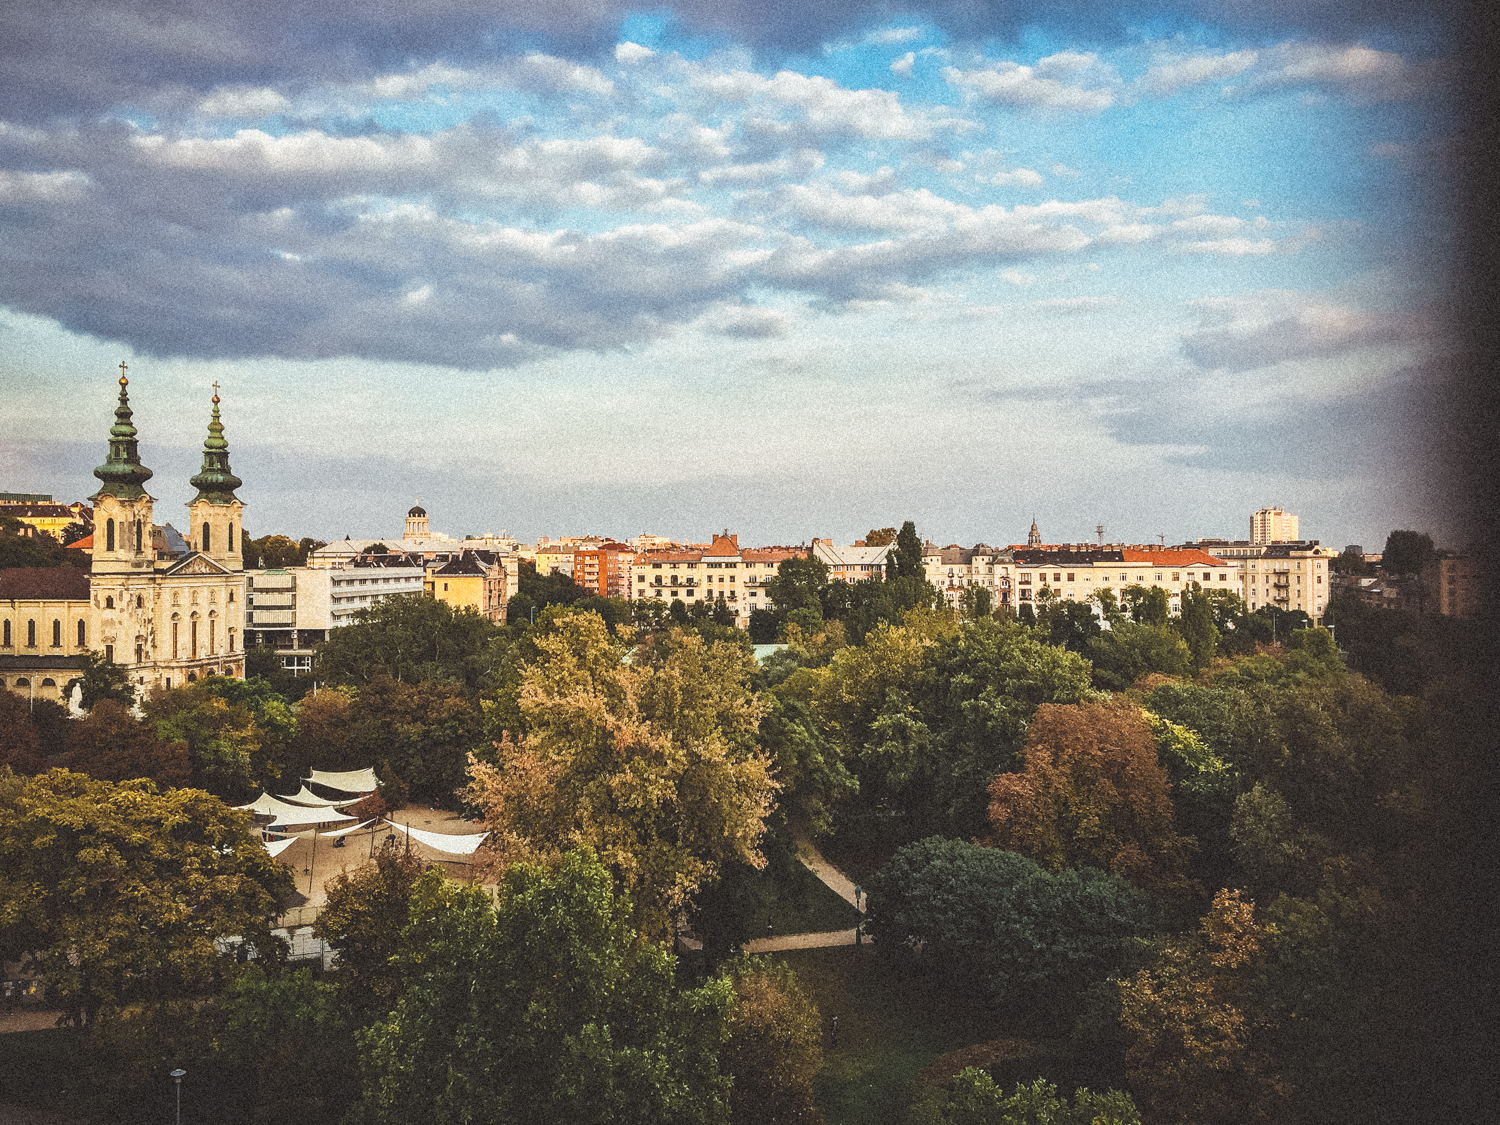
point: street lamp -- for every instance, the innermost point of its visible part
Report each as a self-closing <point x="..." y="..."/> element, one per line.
<point x="177" y="1077"/>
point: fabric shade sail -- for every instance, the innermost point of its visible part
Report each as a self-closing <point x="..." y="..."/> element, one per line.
<point x="276" y="847"/>
<point x="438" y="841"/>
<point x="306" y="796"/>
<point x="351" y="828"/>
<point x="284" y="813"/>
<point x="352" y="781"/>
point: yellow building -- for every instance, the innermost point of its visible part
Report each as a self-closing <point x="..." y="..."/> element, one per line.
<point x="44" y="628"/>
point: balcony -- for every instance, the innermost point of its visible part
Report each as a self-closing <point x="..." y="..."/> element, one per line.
<point x="266" y="618"/>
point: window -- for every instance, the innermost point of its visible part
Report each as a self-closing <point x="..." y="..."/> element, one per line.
<point x="109" y="602"/>
<point x="206" y="545"/>
<point x="140" y="601"/>
<point x="49" y="682"/>
<point x="1174" y="576"/>
<point x="109" y="535"/>
<point x="193" y="638"/>
<point x="137" y="536"/>
<point x="31" y="634"/>
<point x="7" y="635"/>
<point x="109" y="654"/>
<point x="1056" y="577"/>
<point x="56" y="633"/>
<point x="231" y="537"/>
<point x="1070" y="576"/>
<point x="174" y="641"/>
<point x="211" y="630"/>
<point x="23" y="682"/>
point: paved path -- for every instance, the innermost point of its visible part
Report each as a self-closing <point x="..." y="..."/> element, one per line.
<point x="803" y="941"/>
<point x="27" y="1019"/>
<point x="832" y="878"/>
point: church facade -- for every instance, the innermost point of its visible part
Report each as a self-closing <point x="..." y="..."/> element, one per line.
<point x="167" y="618"/>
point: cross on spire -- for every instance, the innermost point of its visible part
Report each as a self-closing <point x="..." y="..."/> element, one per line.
<point x="122" y="371"/>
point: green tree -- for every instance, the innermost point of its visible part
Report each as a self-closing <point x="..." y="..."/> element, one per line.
<point x="534" y="592"/>
<point x="1195" y="625"/>
<point x="1147" y="605"/>
<point x="20" y="742"/>
<point x="774" y="1049"/>
<point x="1068" y="624"/>
<point x="986" y="921"/>
<point x="652" y="763"/>
<point x="101" y="679"/>
<point x="542" y="1009"/>
<point x="366" y="911"/>
<point x="1407" y="552"/>
<point x="906" y="560"/>
<point x="117" y="894"/>
<point x="412" y="638"/>
<point x="975" y="1099"/>
<point x="232" y="755"/>
<point x="423" y="732"/>
<point x="797" y="585"/>
<point x="975" y="602"/>
<point x="20" y="546"/>
<point x="1129" y="651"/>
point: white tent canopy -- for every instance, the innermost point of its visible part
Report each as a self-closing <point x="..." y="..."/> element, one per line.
<point x="352" y="781"/>
<point x="276" y="847"/>
<point x="295" y="814"/>
<point x="306" y="796"/>
<point x="438" y="841"/>
<point x="351" y="828"/>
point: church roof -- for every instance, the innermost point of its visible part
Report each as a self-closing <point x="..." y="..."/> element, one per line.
<point x="122" y="473"/>
<point x="416" y="510"/>
<point x="54" y="583"/>
<point x="215" y="481"/>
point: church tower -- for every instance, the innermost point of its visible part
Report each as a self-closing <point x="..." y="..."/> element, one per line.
<point x="214" y="521"/>
<point x="1035" y="538"/>
<point x="122" y="508"/>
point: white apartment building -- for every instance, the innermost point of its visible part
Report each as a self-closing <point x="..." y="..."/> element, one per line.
<point x="695" y="574"/>
<point x="952" y="568"/>
<point x="1287" y="575"/>
<point x="292" y="610"/>
<point x="1273" y="525"/>
<point x="854" y="563"/>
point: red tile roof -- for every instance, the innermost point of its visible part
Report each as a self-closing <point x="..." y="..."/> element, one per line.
<point x="84" y="544"/>
<point x="1172" y="558"/>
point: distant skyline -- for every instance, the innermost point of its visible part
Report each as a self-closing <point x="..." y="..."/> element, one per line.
<point x="792" y="270"/>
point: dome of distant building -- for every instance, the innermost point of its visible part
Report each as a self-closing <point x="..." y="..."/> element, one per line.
<point x="417" y="510"/>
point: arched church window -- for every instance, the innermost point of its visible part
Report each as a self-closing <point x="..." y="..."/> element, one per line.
<point x="137" y="536"/>
<point x="109" y="535"/>
<point x="139" y="601"/>
<point x="56" y="633"/>
<point x="207" y="546"/>
<point x="231" y="538"/>
<point x="109" y="601"/>
<point x="49" y="682"/>
<point x="23" y="682"/>
<point x="193" y="637"/>
<point x="191" y="677"/>
<point x="82" y="633"/>
<point x="31" y="634"/>
<point x="7" y="635"/>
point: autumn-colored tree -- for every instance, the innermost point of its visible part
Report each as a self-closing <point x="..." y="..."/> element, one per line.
<point x="774" y="1048"/>
<point x="116" y="894"/>
<point x="1092" y="794"/>
<point x="366" y="911"/>
<point x="326" y="738"/>
<point x="232" y="754"/>
<point x="655" y="766"/>
<point x="1193" y="1058"/>
<point x="20" y="744"/>
<point x="111" y="744"/>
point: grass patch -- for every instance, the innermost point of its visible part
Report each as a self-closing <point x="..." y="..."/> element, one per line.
<point x="890" y="1029"/>
<point x="798" y="902"/>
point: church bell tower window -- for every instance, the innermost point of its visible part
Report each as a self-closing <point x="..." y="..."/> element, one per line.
<point x="109" y="535"/>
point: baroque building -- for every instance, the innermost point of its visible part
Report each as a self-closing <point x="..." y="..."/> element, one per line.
<point x="167" y="617"/>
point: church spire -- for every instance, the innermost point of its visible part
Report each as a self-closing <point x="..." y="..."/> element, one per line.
<point x="1035" y="538"/>
<point x="122" y="471"/>
<point x="215" y="481"/>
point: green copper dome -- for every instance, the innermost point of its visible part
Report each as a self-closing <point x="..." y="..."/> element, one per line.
<point x="122" y="471"/>
<point x="215" y="482"/>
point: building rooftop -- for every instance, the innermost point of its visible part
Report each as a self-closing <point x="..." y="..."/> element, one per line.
<point x="54" y="583"/>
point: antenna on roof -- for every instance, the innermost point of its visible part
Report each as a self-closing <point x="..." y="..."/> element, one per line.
<point x="1162" y="539"/>
<point x="1099" y="531"/>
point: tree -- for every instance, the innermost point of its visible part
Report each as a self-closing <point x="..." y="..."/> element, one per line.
<point x="423" y="732"/>
<point x="1147" y="605"/>
<point x="1069" y="624"/>
<point x="652" y="764"/>
<point x="232" y="755"/>
<point x="1348" y="562"/>
<point x="366" y="911"/>
<point x="1407" y="552"/>
<point x="116" y="893"/>
<point x="534" y="592"/>
<point x="975" y="602"/>
<point x="274" y="552"/>
<point x="1092" y="794"/>
<point x="101" y="679"/>
<point x="993" y="923"/>
<point x="1193" y="1056"/>
<point x="880" y="537"/>
<point x="797" y="585"/>
<point x="975" y="1099"/>
<point x="543" y="1008"/>
<point x="813" y="777"/>
<point x="906" y="560"/>
<point x="21" y="546"/>
<point x="1195" y="625"/>
<point x="1129" y="651"/>
<point x="20" y="742"/>
<point x="774" y="1049"/>
<point x="111" y="744"/>
<point x="412" y="638"/>
<point x="763" y="626"/>
<point x="74" y="532"/>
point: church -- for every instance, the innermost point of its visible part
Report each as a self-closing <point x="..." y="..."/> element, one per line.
<point x="169" y="610"/>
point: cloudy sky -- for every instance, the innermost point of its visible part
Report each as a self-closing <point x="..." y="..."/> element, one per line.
<point x="791" y="269"/>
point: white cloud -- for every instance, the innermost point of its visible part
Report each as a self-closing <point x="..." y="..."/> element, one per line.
<point x="1019" y="277"/>
<point x="894" y="35"/>
<point x="42" y="187"/>
<point x="1020" y="177"/>
<point x="1037" y="88"/>
<point x="749" y="322"/>
<point x="1276" y="326"/>
<point x="1172" y="75"/>
<point x="1231" y="247"/>
<point x="243" y="101"/>
<point x="632" y="52"/>
<point x="826" y="106"/>
<point x="903" y="65"/>
<point x="550" y="75"/>
<point x="1362" y="74"/>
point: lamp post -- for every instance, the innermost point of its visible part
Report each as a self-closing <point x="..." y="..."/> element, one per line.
<point x="177" y="1077"/>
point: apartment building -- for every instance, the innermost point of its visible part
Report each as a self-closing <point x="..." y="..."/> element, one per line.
<point x="723" y="567"/>
<point x="854" y="563"/>
<point x="1077" y="572"/>
<point x="604" y="569"/>
<point x="294" y="609"/>
<point x="1294" y="575"/>
<point x="1273" y="525"/>
<point x="953" y="568"/>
